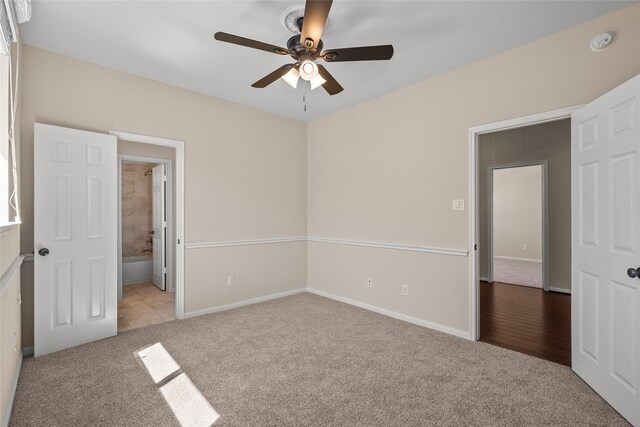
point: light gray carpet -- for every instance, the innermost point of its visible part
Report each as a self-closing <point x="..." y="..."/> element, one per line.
<point x="307" y="361"/>
<point x="516" y="272"/>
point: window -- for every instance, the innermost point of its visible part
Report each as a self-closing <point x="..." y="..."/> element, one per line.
<point x="5" y="160"/>
<point x="9" y="210"/>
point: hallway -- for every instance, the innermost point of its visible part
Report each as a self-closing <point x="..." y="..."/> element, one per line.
<point x="527" y="320"/>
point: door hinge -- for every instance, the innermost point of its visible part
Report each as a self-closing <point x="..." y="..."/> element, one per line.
<point x="164" y="178"/>
<point x="164" y="270"/>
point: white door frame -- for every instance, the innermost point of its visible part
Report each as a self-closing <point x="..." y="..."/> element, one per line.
<point x="169" y="198"/>
<point x="178" y="244"/>
<point x="545" y="214"/>
<point x="474" y="237"/>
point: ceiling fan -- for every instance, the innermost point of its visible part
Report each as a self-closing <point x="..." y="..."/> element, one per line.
<point x="306" y="48"/>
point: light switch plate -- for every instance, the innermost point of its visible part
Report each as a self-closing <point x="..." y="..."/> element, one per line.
<point x="458" y="205"/>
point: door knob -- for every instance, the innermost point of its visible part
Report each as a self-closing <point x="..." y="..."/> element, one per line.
<point x="43" y="252"/>
<point x="633" y="272"/>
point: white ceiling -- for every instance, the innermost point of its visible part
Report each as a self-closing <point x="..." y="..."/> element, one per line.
<point x="172" y="41"/>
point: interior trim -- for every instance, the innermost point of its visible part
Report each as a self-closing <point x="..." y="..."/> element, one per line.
<point x="8" y="226"/>
<point x="385" y="312"/>
<point x="411" y="248"/>
<point x="7" y="277"/>
<point x="561" y="290"/>
<point x="395" y="315"/>
<point x="225" y="243"/>
<point x="474" y="229"/>
<point x="515" y="258"/>
<point x="242" y="303"/>
<point x="178" y="199"/>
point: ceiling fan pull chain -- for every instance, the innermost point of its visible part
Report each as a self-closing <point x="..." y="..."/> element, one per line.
<point x="304" y="98"/>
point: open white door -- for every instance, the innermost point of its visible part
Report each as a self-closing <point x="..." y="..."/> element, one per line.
<point x="75" y="229"/>
<point x="159" y="227"/>
<point x="606" y="247"/>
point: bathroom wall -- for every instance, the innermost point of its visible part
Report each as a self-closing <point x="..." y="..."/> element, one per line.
<point x="136" y="209"/>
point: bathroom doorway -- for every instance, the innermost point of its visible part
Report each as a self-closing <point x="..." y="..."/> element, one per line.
<point x="146" y="286"/>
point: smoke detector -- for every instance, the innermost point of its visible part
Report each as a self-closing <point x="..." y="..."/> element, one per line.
<point x="602" y="41"/>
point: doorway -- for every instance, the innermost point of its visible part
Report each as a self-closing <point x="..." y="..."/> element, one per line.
<point x="146" y="292"/>
<point x="523" y="232"/>
<point x="518" y="216"/>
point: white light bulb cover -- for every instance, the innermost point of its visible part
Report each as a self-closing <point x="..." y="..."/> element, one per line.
<point x="308" y="70"/>
<point x="317" y="81"/>
<point x="292" y="77"/>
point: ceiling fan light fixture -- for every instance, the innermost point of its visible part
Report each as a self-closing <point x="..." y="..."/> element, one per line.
<point x="292" y="78"/>
<point x="317" y="81"/>
<point x="308" y="70"/>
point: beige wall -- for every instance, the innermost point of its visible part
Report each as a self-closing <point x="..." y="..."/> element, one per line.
<point x="517" y="213"/>
<point x="387" y="170"/>
<point x="245" y="169"/>
<point x="548" y="141"/>
<point x="10" y="323"/>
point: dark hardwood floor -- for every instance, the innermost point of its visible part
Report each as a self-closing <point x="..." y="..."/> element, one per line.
<point x="527" y="320"/>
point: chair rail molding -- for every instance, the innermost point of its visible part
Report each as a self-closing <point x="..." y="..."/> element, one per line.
<point x="381" y="245"/>
<point x="8" y="275"/>
<point x="395" y="246"/>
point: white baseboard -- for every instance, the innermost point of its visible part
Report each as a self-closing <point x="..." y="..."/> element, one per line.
<point x="484" y="279"/>
<point x="229" y="306"/>
<point x="562" y="290"/>
<point x="12" y="393"/>
<point x="27" y="351"/>
<point x="395" y="315"/>
<point x="514" y="258"/>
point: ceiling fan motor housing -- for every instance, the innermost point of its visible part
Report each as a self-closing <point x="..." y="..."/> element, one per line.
<point x="294" y="45"/>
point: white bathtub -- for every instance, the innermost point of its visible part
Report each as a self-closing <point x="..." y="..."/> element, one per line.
<point x="137" y="269"/>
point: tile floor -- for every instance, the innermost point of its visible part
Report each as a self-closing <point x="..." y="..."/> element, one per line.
<point x="143" y="304"/>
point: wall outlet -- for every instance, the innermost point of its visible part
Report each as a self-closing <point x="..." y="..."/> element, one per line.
<point x="370" y="282"/>
<point x="458" y="205"/>
<point x="231" y="281"/>
<point x="405" y="290"/>
<point x="525" y="247"/>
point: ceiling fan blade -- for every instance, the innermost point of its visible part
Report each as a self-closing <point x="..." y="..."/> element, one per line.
<point x="242" y="41"/>
<point x="365" y="53"/>
<point x="331" y="85"/>
<point x="315" y="16"/>
<point x="272" y="77"/>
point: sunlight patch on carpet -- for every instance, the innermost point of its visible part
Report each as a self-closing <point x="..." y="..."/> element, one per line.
<point x="189" y="406"/>
<point x="187" y="403"/>
<point x="158" y="362"/>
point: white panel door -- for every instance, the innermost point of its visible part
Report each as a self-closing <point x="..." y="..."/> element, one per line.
<point x="159" y="227"/>
<point x="606" y="235"/>
<point x="75" y="287"/>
